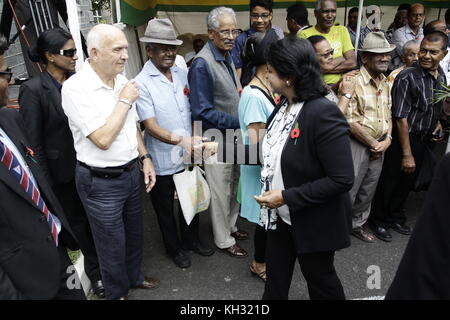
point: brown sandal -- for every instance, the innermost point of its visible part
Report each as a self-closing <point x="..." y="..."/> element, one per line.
<point x="261" y="275"/>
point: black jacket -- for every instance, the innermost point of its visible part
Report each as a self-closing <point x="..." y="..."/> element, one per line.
<point x="48" y="129"/>
<point x="317" y="175"/>
<point x="423" y="271"/>
<point x="29" y="259"/>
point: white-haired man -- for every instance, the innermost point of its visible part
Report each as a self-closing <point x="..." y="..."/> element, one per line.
<point x="214" y="96"/>
<point x="99" y="103"/>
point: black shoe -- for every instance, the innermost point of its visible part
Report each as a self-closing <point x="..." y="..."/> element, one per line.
<point x="199" y="248"/>
<point x="382" y="234"/>
<point x="98" y="289"/>
<point x="402" y="228"/>
<point x="181" y="260"/>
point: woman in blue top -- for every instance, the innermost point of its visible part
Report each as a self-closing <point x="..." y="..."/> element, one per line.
<point x="256" y="104"/>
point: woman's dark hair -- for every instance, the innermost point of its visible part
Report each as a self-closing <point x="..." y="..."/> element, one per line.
<point x="299" y="13"/>
<point x="254" y="53"/>
<point x="266" y="4"/>
<point x="316" y="39"/>
<point x="52" y="41"/>
<point x="295" y="59"/>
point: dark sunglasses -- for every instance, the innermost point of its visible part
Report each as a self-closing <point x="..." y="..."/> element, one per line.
<point x="68" y="52"/>
<point x="7" y="75"/>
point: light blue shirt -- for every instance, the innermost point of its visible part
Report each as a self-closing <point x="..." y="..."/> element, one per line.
<point x="168" y="102"/>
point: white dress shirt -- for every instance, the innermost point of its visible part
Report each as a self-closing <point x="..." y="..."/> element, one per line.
<point x="87" y="103"/>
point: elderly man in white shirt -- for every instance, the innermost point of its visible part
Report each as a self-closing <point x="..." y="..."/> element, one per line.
<point x="99" y="103"/>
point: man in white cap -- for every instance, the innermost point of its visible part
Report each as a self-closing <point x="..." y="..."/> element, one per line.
<point x="163" y="106"/>
<point x="369" y="116"/>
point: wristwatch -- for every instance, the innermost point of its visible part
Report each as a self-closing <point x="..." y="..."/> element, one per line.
<point x="145" y="156"/>
<point x="347" y="95"/>
<point x="126" y="101"/>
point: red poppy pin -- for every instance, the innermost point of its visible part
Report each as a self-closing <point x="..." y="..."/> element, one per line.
<point x="186" y="91"/>
<point x="295" y="133"/>
<point x="277" y="100"/>
<point x="240" y="91"/>
<point x="379" y="92"/>
<point x="30" y="154"/>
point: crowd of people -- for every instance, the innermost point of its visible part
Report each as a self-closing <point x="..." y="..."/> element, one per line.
<point x="309" y="136"/>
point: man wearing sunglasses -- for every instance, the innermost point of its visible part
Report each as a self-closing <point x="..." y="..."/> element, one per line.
<point x="34" y="231"/>
<point x="260" y="21"/>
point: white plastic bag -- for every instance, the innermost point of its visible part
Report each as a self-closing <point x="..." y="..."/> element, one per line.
<point x="193" y="192"/>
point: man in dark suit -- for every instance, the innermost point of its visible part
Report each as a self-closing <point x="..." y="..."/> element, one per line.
<point x="34" y="232"/>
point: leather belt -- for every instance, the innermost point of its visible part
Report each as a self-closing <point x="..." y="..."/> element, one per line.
<point x="110" y="172"/>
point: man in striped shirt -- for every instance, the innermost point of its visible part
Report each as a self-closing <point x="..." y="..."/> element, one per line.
<point x="416" y="128"/>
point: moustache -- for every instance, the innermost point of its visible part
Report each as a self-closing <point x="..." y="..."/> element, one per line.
<point x="226" y="42"/>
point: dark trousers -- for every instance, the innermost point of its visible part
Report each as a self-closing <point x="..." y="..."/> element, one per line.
<point x="162" y="196"/>
<point x="394" y="185"/>
<point x="317" y="268"/>
<point x="69" y="287"/>
<point x="73" y="208"/>
<point x="114" y="209"/>
<point x="260" y="242"/>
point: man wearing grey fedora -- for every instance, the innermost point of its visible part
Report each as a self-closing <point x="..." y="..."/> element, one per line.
<point x="163" y="106"/>
<point x="369" y="116"/>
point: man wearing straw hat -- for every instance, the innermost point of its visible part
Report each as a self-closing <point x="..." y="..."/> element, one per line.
<point x="163" y="106"/>
<point x="369" y="116"/>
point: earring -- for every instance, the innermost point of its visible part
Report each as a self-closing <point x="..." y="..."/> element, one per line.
<point x="288" y="83"/>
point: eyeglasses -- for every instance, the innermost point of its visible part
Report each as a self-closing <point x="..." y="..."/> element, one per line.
<point x="327" y="54"/>
<point x="7" y="75"/>
<point x="68" y="52"/>
<point x="263" y="16"/>
<point x="226" y="33"/>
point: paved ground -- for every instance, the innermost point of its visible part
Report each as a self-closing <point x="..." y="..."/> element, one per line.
<point x="221" y="277"/>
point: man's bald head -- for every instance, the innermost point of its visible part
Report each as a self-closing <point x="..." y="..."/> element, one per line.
<point x="99" y="34"/>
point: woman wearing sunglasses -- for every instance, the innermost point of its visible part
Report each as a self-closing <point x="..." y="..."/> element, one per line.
<point x="48" y="130"/>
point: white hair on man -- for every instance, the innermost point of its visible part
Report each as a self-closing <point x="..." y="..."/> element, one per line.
<point x="410" y="44"/>
<point x="97" y="35"/>
<point x="318" y="5"/>
<point x="215" y="14"/>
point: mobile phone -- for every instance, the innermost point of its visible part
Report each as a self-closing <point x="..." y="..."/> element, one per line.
<point x="438" y="135"/>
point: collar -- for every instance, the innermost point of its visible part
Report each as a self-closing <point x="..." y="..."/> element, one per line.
<point x="408" y="30"/>
<point x="216" y="53"/>
<point x="420" y="72"/>
<point x="151" y="70"/>
<point x="93" y="78"/>
<point x="367" y="77"/>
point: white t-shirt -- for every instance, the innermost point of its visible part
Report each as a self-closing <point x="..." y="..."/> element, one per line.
<point x="87" y="103"/>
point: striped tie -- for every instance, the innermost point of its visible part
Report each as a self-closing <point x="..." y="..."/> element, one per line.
<point x="13" y="165"/>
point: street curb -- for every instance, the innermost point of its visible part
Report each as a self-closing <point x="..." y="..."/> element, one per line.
<point x="79" y="267"/>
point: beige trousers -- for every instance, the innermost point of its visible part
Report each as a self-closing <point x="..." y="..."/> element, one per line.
<point x="223" y="182"/>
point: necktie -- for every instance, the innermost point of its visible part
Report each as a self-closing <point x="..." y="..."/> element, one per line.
<point x="13" y="165"/>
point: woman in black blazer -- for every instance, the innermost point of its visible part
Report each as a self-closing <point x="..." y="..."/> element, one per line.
<point x="48" y="130"/>
<point x="307" y="171"/>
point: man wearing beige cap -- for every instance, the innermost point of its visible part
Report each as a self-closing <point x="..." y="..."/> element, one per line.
<point x="369" y="116"/>
<point x="163" y="106"/>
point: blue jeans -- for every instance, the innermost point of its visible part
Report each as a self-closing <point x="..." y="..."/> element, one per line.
<point x="114" y="210"/>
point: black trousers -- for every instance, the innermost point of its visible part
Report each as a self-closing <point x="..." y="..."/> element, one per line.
<point x="69" y="289"/>
<point x="260" y="241"/>
<point x="317" y="268"/>
<point x="162" y="196"/>
<point x="70" y="201"/>
<point x="394" y="185"/>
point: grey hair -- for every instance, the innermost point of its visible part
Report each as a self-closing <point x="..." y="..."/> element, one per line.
<point x="97" y="35"/>
<point x="319" y="3"/>
<point x="215" y="14"/>
<point x="409" y="44"/>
